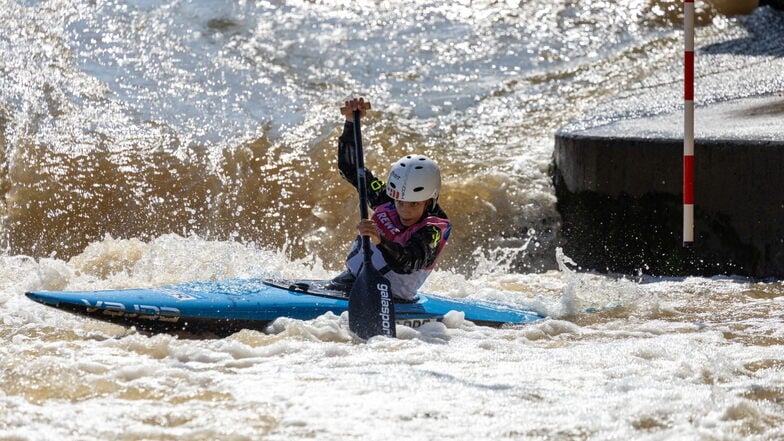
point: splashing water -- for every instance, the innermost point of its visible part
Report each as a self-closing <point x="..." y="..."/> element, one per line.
<point x="146" y="143"/>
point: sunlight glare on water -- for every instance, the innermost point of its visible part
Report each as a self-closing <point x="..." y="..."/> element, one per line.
<point x="148" y="143"/>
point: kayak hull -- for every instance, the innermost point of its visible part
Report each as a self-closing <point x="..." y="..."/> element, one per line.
<point x="228" y="306"/>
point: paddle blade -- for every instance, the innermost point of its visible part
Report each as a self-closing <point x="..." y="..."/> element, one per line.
<point x="371" y="311"/>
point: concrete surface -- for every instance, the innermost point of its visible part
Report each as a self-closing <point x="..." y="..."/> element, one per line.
<point x="619" y="189"/>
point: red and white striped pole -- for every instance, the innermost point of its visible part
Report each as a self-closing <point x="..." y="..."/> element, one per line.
<point x="688" y="127"/>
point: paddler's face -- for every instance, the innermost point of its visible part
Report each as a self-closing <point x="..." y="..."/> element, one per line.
<point x="410" y="212"/>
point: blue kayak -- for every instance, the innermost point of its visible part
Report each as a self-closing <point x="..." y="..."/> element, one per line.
<point x="228" y="306"/>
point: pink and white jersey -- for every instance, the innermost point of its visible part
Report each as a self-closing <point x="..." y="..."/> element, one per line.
<point x="404" y="286"/>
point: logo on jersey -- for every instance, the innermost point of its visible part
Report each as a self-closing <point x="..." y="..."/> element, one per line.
<point x="376" y="185"/>
<point x="436" y="238"/>
<point x="388" y="227"/>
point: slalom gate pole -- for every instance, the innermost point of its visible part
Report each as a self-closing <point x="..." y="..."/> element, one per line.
<point x="688" y="127"/>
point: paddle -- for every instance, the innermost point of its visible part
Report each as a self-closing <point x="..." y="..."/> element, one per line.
<point x="371" y="311"/>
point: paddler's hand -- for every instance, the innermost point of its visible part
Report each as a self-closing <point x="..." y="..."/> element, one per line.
<point x="352" y="105"/>
<point x="367" y="227"/>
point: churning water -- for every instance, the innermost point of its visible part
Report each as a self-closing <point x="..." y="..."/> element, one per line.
<point x="147" y="142"/>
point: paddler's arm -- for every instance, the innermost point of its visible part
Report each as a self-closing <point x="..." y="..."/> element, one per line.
<point x="347" y="166"/>
<point x="419" y="252"/>
<point x="346" y="163"/>
<point x="346" y="159"/>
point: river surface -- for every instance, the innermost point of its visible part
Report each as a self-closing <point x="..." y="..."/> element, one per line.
<point x="146" y="143"/>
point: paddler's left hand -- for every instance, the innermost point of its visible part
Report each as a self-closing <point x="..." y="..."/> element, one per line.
<point x="367" y="227"/>
<point x="352" y="105"/>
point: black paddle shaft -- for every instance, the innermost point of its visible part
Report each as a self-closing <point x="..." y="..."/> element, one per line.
<point x="359" y="159"/>
<point x="371" y="310"/>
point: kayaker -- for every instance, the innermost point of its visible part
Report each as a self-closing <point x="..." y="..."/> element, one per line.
<point x="408" y="229"/>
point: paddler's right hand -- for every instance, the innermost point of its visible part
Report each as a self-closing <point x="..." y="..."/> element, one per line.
<point x="367" y="227"/>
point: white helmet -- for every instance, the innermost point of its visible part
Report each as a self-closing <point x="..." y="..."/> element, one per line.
<point x="414" y="178"/>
